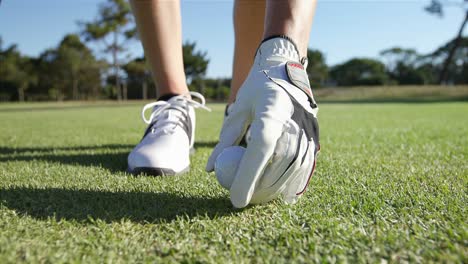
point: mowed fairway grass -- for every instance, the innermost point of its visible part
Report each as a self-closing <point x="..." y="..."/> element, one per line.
<point x="391" y="185"/>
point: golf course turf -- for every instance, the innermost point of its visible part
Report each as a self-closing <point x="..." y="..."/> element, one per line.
<point x="391" y="184"/>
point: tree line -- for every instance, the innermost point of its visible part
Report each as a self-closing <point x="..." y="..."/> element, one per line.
<point x="94" y="64"/>
<point x="399" y="66"/>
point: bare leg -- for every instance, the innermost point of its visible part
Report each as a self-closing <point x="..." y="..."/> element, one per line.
<point x="249" y="17"/>
<point x="159" y="27"/>
<point x="292" y="18"/>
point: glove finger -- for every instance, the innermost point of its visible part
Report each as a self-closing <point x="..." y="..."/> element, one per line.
<point x="309" y="167"/>
<point x="289" y="150"/>
<point x="255" y="159"/>
<point x="298" y="184"/>
<point x="270" y="116"/>
<point x="233" y="129"/>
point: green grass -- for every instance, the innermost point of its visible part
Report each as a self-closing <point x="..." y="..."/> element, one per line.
<point x="408" y="93"/>
<point x="391" y="185"/>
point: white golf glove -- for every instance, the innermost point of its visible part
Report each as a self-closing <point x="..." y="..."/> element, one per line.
<point x="276" y="102"/>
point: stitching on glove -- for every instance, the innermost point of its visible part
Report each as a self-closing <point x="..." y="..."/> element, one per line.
<point x="283" y="37"/>
<point x="296" y="154"/>
<point x="305" y="153"/>
<point x="310" y="176"/>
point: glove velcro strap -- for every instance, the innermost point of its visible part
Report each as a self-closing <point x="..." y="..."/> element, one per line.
<point x="298" y="76"/>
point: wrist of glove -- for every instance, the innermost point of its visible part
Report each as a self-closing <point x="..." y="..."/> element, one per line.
<point x="276" y="102"/>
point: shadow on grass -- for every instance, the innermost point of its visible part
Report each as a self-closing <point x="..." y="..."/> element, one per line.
<point x="114" y="162"/>
<point x="61" y="107"/>
<point x="205" y="144"/>
<point x="89" y="205"/>
<point x="9" y="150"/>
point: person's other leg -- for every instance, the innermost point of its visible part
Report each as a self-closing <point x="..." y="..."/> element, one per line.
<point x="249" y="17"/>
<point x="160" y="31"/>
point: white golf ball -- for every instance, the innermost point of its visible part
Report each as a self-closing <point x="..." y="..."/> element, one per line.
<point x="226" y="165"/>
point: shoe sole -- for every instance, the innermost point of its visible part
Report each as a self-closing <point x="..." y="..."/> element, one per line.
<point x="159" y="171"/>
<point x="156" y="171"/>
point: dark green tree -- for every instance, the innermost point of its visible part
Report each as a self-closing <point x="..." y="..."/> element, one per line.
<point x="437" y="7"/>
<point x="138" y="76"/>
<point x="78" y="65"/>
<point x="17" y="71"/>
<point x="317" y="68"/>
<point x="195" y="65"/>
<point x="217" y="89"/>
<point x="113" y="28"/>
<point x="70" y="71"/>
<point x="456" y="69"/>
<point x="7" y="88"/>
<point x="402" y="66"/>
<point x="359" y="71"/>
<point x="396" y="55"/>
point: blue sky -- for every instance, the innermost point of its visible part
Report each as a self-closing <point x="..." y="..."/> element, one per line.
<point x="342" y="29"/>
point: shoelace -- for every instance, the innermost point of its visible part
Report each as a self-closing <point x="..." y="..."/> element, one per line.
<point x="179" y="103"/>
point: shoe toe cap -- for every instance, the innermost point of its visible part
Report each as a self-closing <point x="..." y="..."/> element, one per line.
<point x="170" y="155"/>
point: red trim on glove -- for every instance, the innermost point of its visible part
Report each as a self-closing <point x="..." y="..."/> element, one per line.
<point x="308" y="180"/>
<point x="297" y="65"/>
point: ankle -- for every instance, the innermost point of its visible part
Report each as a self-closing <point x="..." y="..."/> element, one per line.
<point x="167" y="96"/>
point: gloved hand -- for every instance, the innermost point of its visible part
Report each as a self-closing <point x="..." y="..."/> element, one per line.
<point x="277" y="103"/>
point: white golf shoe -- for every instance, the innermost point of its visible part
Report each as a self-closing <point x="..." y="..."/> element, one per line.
<point x="166" y="145"/>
